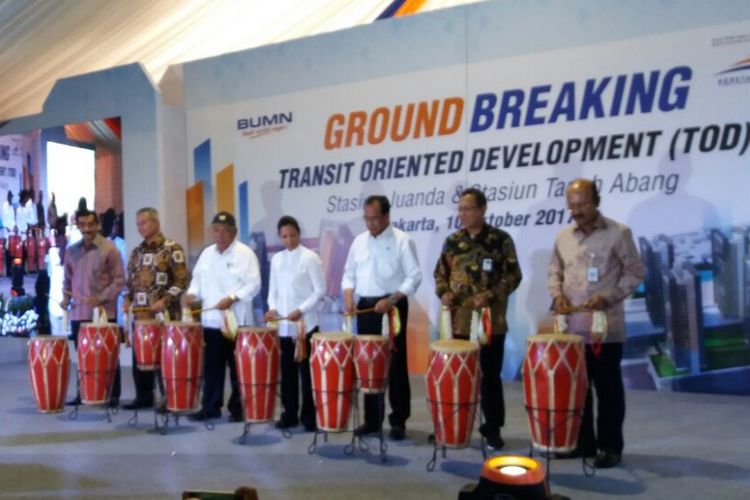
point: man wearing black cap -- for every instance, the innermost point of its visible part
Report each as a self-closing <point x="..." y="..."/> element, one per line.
<point x="226" y="277"/>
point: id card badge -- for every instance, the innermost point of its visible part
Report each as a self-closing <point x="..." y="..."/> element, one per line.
<point x="487" y="265"/>
<point x="593" y="274"/>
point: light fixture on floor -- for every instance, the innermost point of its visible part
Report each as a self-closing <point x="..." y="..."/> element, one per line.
<point x="509" y="477"/>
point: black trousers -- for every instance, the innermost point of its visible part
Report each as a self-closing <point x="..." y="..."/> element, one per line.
<point x="294" y="375"/>
<point x="493" y="402"/>
<point x="606" y="378"/>
<point x="75" y="327"/>
<point x="143" y="380"/>
<point x="399" y="391"/>
<point x="218" y="355"/>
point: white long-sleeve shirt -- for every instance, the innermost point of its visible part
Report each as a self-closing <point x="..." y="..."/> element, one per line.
<point x="296" y="282"/>
<point x="383" y="265"/>
<point x="219" y="275"/>
<point x="9" y="218"/>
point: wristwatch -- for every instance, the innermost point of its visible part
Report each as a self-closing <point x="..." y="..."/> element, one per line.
<point x="233" y="297"/>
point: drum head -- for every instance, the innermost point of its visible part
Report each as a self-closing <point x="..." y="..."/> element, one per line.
<point x="372" y="338"/>
<point x="555" y="337"/>
<point x="333" y="336"/>
<point x="454" y="345"/>
<point x="147" y="322"/>
<point x="256" y="329"/>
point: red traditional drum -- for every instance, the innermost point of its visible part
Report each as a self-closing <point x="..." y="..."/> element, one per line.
<point x="30" y="245"/>
<point x="147" y="343"/>
<point x="15" y="246"/>
<point x="332" y="371"/>
<point x="49" y="366"/>
<point x="2" y="256"/>
<point x="42" y="247"/>
<point x="258" y="355"/>
<point x="98" y="351"/>
<point x="453" y="390"/>
<point x="554" y="390"/>
<point x="372" y="358"/>
<point x="182" y="364"/>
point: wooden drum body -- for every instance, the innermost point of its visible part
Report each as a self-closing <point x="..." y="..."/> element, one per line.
<point x="372" y="359"/>
<point x="147" y="336"/>
<point x="182" y="364"/>
<point x="452" y="381"/>
<point x="49" y="368"/>
<point x="98" y="352"/>
<point x="554" y="390"/>
<point x="258" y="355"/>
<point x="332" y="372"/>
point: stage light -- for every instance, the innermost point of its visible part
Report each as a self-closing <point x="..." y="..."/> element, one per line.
<point x="509" y="477"/>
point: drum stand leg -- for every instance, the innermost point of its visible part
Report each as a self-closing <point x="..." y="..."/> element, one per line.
<point x="349" y="448"/>
<point x="381" y="414"/>
<point x="74" y="413"/>
<point x="108" y="412"/>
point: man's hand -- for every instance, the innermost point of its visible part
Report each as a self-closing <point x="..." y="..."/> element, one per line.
<point x="126" y="305"/>
<point x="224" y="304"/>
<point x="65" y="302"/>
<point x="295" y="315"/>
<point x="447" y="299"/>
<point x="159" y="305"/>
<point x="596" y="303"/>
<point x="187" y="300"/>
<point x="562" y="304"/>
<point x="349" y="301"/>
<point x="271" y="314"/>
<point x="383" y="306"/>
<point x="93" y="301"/>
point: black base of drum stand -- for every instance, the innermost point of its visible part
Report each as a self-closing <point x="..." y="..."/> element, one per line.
<point x="349" y="448"/>
<point x="242" y="439"/>
<point x="108" y="412"/>
<point x="477" y="415"/>
<point x="588" y="469"/>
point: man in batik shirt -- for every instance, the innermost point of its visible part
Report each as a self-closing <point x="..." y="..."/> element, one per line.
<point x="478" y="268"/>
<point x="157" y="276"/>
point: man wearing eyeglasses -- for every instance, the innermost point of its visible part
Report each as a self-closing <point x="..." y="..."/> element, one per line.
<point x="478" y="268"/>
<point x="594" y="267"/>
<point x="382" y="270"/>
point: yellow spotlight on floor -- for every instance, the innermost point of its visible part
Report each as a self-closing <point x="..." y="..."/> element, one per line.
<point x="509" y="477"/>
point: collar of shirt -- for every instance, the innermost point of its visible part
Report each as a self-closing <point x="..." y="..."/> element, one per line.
<point x="599" y="223"/>
<point x="480" y="236"/>
<point x="227" y="251"/>
<point x="158" y="241"/>
<point x="386" y="234"/>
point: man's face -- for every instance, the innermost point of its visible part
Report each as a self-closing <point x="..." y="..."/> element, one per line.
<point x="374" y="220"/>
<point x="469" y="213"/>
<point x="289" y="237"/>
<point x="581" y="204"/>
<point x="148" y="227"/>
<point x="223" y="235"/>
<point x="89" y="226"/>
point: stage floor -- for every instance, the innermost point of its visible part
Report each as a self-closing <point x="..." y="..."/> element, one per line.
<point x="677" y="446"/>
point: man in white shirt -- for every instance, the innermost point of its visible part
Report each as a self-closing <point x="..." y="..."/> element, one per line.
<point x="226" y="277"/>
<point x="295" y="290"/>
<point x="382" y="270"/>
<point x="9" y="226"/>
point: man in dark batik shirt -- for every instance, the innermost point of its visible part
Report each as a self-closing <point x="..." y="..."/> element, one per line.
<point x="157" y="276"/>
<point x="478" y="268"/>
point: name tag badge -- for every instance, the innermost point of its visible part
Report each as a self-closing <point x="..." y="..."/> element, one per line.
<point x="487" y="265"/>
<point x="593" y="274"/>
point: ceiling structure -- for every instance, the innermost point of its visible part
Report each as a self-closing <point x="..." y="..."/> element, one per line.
<point x="45" y="40"/>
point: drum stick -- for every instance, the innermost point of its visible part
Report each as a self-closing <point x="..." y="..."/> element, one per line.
<point x="360" y="311"/>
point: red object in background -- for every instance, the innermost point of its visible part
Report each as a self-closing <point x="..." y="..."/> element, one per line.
<point x="182" y="364"/>
<point x="15" y="246"/>
<point x="554" y="390"/>
<point x="2" y="257"/>
<point x="98" y="351"/>
<point x="332" y="370"/>
<point x="258" y="356"/>
<point x="372" y="358"/>
<point x="49" y="365"/>
<point x="30" y="245"/>
<point x="147" y="336"/>
<point x="452" y="381"/>
<point x="42" y="247"/>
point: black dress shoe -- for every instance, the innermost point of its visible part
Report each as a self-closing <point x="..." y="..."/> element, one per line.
<point x="285" y="424"/>
<point x="607" y="460"/>
<point x="76" y="401"/>
<point x="576" y="453"/>
<point x="366" y="429"/>
<point x="495" y="442"/>
<point x="114" y="403"/>
<point x="431" y="438"/>
<point x="397" y="433"/>
<point x="137" y="405"/>
<point x="310" y="427"/>
<point x="235" y="417"/>
<point x="201" y="415"/>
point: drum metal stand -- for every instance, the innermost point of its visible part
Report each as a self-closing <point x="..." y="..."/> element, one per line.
<point x="166" y="414"/>
<point x="349" y="448"/>
<point x="588" y="469"/>
<point x="435" y="415"/>
<point x="246" y="426"/>
<point x="383" y="446"/>
<point x="108" y="412"/>
<point x="158" y="398"/>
